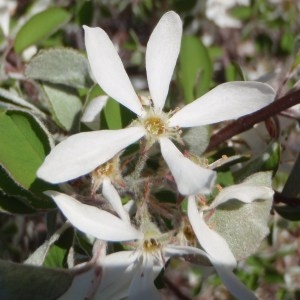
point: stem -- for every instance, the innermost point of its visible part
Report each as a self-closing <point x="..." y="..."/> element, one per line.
<point x="246" y="122"/>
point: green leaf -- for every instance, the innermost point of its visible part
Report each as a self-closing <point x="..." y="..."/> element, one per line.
<point x="17" y="200"/>
<point x="24" y="145"/>
<point x="244" y="226"/>
<point x="37" y="258"/>
<point x="61" y="66"/>
<point x="195" y="68"/>
<point x="112" y="114"/>
<point x="266" y="161"/>
<point x="14" y="205"/>
<point x="292" y="187"/>
<point x="197" y="139"/>
<point x="234" y="72"/>
<point x="64" y="104"/>
<point x="28" y="282"/>
<point x="288" y="212"/>
<point x="40" y="26"/>
<point x="55" y="257"/>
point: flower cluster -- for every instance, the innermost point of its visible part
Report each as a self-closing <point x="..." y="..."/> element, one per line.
<point x="149" y="241"/>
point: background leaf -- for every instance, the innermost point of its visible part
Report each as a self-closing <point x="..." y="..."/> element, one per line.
<point x="195" y="69"/>
<point x="64" y="104"/>
<point x="28" y="282"/>
<point x="235" y="220"/>
<point x="112" y="114"/>
<point x="24" y="145"/>
<point x="40" y="26"/>
<point x="61" y="66"/>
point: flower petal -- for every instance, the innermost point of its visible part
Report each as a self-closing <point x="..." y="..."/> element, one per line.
<point x="243" y="192"/>
<point x="142" y="285"/>
<point x="91" y="115"/>
<point x="83" y="152"/>
<point x="93" y="221"/>
<point x="215" y="245"/>
<point x="161" y="56"/>
<point x="234" y="285"/>
<point x="190" y="178"/>
<point x="111" y="194"/>
<point x="83" y="283"/>
<point x="227" y="101"/>
<point x="4" y="19"/>
<point x="174" y="250"/>
<point x="108" y="69"/>
<point x="118" y="271"/>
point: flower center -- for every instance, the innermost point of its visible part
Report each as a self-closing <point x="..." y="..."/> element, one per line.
<point x="151" y="245"/>
<point x="104" y="170"/>
<point x="155" y="126"/>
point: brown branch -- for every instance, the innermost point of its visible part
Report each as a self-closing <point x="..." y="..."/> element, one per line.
<point x="244" y="123"/>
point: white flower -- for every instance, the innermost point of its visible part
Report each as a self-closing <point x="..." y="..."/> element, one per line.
<point x="125" y="272"/>
<point x="129" y="273"/>
<point x="83" y="152"/>
<point x="217" y="11"/>
<point x="212" y="242"/>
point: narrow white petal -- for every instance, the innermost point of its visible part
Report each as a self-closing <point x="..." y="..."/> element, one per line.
<point x="111" y="194"/>
<point x="234" y="285"/>
<point x="227" y="101"/>
<point x="173" y="250"/>
<point x="108" y="69"/>
<point x="215" y="245"/>
<point x="91" y="115"/>
<point x="190" y="178"/>
<point x="244" y="192"/>
<point x="83" y="284"/>
<point x="4" y="19"/>
<point x="142" y="285"/>
<point x="93" y="221"/>
<point x="83" y="152"/>
<point x="118" y="271"/>
<point x="161" y="56"/>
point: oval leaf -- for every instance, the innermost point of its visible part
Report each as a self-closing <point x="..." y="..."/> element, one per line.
<point x="244" y="226"/>
<point x="40" y="26"/>
<point x="24" y="145"/>
<point x="44" y="283"/>
<point x="61" y="66"/>
<point x="65" y="105"/>
<point x="195" y="68"/>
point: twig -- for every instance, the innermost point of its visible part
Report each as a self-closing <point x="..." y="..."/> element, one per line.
<point x="244" y="123"/>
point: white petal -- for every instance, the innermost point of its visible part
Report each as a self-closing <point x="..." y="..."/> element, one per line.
<point x="118" y="271"/>
<point x="142" y="285"/>
<point x="83" y="152"/>
<point x="161" y="56"/>
<point x="110" y="193"/>
<point x="190" y="178"/>
<point x="92" y="112"/>
<point x="243" y="192"/>
<point x="93" y="221"/>
<point x="4" y="19"/>
<point x="108" y="69"/>
<point x="215" y="245"/>
<point x="234" y="285"/>
<point x="173" y="250"/>
<point x="83" y="284"/>
<point x="227" y="101"/>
